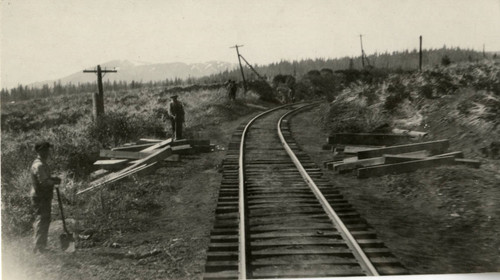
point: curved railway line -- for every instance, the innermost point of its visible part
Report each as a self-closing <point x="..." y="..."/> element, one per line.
<point x="278" y="217"/>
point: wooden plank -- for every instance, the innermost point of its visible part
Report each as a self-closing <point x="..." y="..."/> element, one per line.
<point x="122" y="175"/>
<point x="435" y="147"/>
<point x="377" y="139"/>
<point x="411" y="133"/>
<point x="133" y="148"/>
<point x="404" y="167"/>
<point x="161" y="154"/>
<point x="171" y="158"/>
<point x="111" y="164"/>
<point x="181" y="147"/>
<point x="418" y="154"/>
<point x="347" y="166"/>
<point x="468" y="162"/>
<point x="330" y="164"/>
<point x="99" y="173"/>
<point x="157" y="156"/>
<point x="158" y="145"/>
<point x="390" y="159"/>
<point x="356" y="149"/>
<point x="458" y="154"/>
<point x="123" y="154"/>
<point x="147" y="141"/>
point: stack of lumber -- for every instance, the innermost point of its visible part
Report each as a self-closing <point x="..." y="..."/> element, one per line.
<point x="371" y="161"/>
<point x="140" y="158"/>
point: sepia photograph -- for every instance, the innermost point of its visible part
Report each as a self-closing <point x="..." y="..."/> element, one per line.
<point x="250" y="139"/>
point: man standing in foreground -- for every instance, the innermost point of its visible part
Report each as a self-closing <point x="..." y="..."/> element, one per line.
<point x="176" y="112"/>
<point x="41" y="195"/>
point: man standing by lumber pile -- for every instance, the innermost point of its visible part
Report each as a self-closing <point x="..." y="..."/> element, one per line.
<point x="176" y="112"/>
<point x="41" y="195"/>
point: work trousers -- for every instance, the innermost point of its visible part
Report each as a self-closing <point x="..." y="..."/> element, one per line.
<point x="42" y="207"/>
<point x="176" y="128"/>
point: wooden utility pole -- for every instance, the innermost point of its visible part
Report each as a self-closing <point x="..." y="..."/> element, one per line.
<point x="420" y="56"/>
<point x="253" y="69"/>
<point x="98" y="98"/>
<point x="484" y="51"/>
<point x="241" y="67"/>
<point x="362" y="51"/>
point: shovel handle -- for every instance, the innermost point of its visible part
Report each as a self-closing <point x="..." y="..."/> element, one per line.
<point x="61" y="209"/>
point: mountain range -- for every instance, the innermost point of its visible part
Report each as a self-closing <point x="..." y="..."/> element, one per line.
<point x="142" y="71"/>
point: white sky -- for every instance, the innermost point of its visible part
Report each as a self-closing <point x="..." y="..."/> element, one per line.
<point x="49" y="39"/>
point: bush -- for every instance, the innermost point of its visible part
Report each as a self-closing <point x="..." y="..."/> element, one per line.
<point x="445" y="60"/>
<point x="117" y="128"/>
<point x="263" y="89"/>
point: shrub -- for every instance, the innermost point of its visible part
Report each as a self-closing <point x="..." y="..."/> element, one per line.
<point x="445" y="60"/>
<point x="263" y="89"/>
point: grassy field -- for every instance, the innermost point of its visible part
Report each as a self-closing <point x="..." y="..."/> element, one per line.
<point x="67" y="123"/>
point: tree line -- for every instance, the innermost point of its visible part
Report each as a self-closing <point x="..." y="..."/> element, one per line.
<point x="398" y="60"/>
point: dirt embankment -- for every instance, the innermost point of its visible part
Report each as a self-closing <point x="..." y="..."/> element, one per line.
<point x="439" y="220"/>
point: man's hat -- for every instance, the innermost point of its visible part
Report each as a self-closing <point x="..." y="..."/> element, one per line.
<point x="40" y="146"/>
<point x="173" y="96"/>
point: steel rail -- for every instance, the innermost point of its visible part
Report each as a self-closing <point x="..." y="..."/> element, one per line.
<point x="363" y="260"/>
<point x="242" y="270"/>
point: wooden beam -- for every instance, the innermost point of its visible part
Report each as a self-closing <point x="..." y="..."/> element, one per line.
<point x="458" y="154"/>
<point x="99" y="173"/>
<point x="123" y="154"/>
<point x="112" y="164"/>
<point x="376" y="139"/>
<point x="157" y="156"/>
<point x="468" y="162"/>
<point x="435" y="147"/>
<point x="158" y="145"/>
<point x="329" y="164"/>
<point x="390" y="159"/>
<point x="133" y="148"/>
<point x="411" y="133"/>
<point x="347" y="166"/>
<point x="148" y="141"/>
<point x="418" y="154"/>
<point x="117" y="177"/>
<point x="404" y="167"/>
<point x="356" y="149"/>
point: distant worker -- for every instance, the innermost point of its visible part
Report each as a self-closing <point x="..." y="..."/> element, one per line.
<point x="41" y="195"/>
<point x="231" y="89"/>
<point x="176" y="112"/>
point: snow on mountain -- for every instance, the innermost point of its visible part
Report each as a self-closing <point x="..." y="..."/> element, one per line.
<point x="129" y="70"/>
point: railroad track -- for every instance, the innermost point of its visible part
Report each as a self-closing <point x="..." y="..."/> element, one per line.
<point x="278" y="217"/>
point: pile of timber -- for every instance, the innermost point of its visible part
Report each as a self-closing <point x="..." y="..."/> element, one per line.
<point x="141" y="158"/>
<point x="372" y="161"/>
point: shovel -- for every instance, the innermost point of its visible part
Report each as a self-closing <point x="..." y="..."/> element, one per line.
<point x="66" y="238"/>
